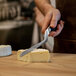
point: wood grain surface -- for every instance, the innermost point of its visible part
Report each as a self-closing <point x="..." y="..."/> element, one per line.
<point x="60" y="65"/>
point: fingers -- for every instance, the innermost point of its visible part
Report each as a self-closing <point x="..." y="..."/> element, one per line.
<point x="39" y="17"/>
<point x="51" y="19"/>
<point x="58" y="31"/>
<point x="36" y="10"/>
<point x="54" y="20"/>
<point x="46" y="22"/>
<point x="52" y="33"/>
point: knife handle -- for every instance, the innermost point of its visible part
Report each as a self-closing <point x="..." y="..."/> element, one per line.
<point x="52" y="29"/>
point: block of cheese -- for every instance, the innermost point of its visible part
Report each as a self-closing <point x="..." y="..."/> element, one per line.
<point x="5" y="50"/>
<point x="37" y="55"/>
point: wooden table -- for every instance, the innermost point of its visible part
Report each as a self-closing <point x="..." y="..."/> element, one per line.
<point x="60" y="65"/>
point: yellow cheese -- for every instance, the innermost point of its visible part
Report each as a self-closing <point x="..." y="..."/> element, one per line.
<point x="38" y="55"/>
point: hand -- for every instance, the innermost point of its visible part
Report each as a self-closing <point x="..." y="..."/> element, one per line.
<point x="50" y="19"/>
<point x="39" y="17"/>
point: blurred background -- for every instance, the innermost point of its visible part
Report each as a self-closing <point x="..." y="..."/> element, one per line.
<point x="18" y="27"/>
<point x="16" y="23"/>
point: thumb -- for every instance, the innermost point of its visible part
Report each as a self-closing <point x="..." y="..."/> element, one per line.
<point x="54" y="21"/>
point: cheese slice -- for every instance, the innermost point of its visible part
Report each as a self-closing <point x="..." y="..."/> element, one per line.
<point x="37" y="55"/>
<point x="5" y="50"/>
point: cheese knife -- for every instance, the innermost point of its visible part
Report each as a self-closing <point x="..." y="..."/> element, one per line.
<point x="48" y="30"/>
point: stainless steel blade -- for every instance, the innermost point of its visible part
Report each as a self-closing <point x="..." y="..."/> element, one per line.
<point x="37" y="45"/>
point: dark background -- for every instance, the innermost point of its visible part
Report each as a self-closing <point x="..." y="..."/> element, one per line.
<point x="19" y="37"/>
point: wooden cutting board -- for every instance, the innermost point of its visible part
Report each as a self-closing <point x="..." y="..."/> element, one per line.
<point x="60" y="65"/>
